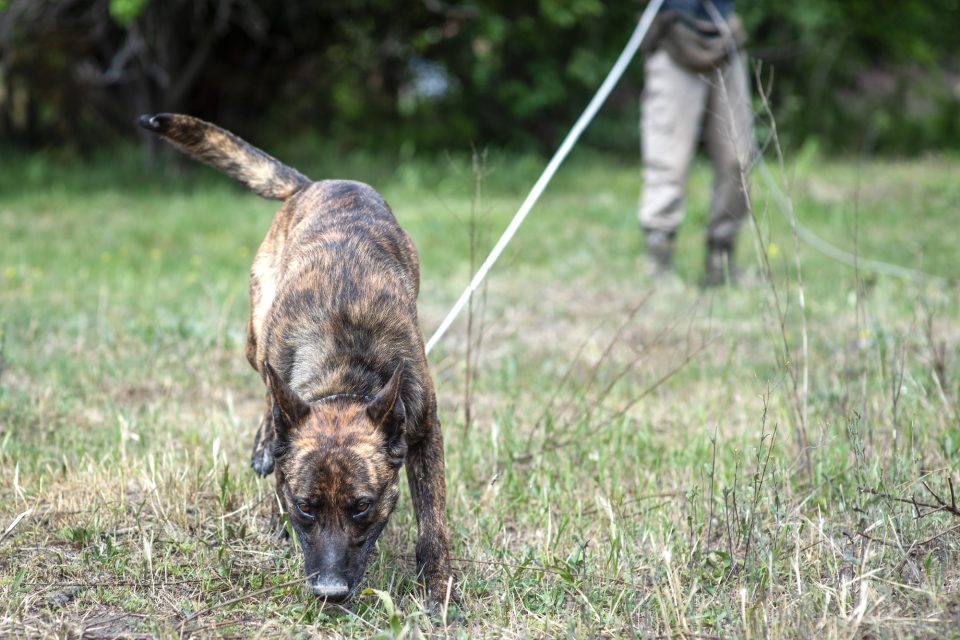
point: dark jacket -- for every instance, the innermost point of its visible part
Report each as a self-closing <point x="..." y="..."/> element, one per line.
<point x="697" y="9"/>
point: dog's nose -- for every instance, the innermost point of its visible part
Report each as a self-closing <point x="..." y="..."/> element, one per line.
<point x="332" y="590"/>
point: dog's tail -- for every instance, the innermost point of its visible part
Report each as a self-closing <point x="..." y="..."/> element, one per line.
<point x="223" y="150"/>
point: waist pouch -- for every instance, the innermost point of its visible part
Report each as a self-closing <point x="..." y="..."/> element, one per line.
<point x="698" y="45"/>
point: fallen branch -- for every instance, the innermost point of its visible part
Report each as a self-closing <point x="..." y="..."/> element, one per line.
<point x="942" y="505"/>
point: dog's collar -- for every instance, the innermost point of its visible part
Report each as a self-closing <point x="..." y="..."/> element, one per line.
<point x="340" y="396"/>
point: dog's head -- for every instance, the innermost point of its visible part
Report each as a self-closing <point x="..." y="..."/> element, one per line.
<point x="337" y="468"/>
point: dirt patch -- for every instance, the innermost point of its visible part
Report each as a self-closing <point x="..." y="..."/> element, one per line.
<point x="106" y="624"/>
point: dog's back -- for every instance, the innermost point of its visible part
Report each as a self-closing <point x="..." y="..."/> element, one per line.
<point x="334" y="284"/>
<point x="342" y="313"/>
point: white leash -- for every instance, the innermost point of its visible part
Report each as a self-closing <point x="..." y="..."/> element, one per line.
<point x="629" y="51"/>
<point x="835" y="253"/>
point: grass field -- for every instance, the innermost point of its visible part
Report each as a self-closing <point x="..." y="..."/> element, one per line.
<point x="637" y="462"/>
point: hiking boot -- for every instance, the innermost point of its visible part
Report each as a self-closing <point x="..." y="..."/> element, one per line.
<point x="720" y="268"/>
<point x="659" y="253"/>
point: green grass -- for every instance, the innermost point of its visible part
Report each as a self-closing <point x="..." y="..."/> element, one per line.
<point x="633" y="466"/>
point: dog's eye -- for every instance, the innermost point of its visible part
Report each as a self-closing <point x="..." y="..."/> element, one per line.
<point x="305" y="509"/>
<point x="361" y="507"/>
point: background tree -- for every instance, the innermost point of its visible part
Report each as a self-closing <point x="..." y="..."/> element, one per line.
<point x="856" y="75"/>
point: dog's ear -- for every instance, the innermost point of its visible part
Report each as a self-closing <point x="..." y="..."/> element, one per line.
<point x="288" y="408"/>
<point x="386" y="410"/>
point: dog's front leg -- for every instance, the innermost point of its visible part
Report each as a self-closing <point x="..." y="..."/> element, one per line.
<point x="428" y="491"/>
<point x="278" y="521"/>
<point x="262" y="458"/>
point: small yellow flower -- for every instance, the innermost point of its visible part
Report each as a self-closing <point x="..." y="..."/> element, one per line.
<point x="9" y="272"/>
<point x="106" y="257"/>
<point x="193" y="276"/>
<point x="773" y="249"/>
<point x="155" y="253"/>
<point x="243" y="251"/>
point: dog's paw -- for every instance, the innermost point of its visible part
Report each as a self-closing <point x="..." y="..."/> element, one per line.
<point x="443" y="607"/>
<point x="443" y="597"/>
<point x="262" y="460"/>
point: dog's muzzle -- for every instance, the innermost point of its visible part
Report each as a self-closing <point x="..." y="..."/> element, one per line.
<point x="331" y="590"/>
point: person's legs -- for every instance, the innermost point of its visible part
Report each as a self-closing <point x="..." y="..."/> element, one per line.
<point x="671" y="113"/>
<point x="728" y="131"/>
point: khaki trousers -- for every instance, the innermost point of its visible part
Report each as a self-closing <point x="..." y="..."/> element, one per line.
<point x="678" y="106"/>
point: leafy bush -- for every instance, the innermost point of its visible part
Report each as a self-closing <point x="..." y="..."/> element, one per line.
<point x="435" y="74"/>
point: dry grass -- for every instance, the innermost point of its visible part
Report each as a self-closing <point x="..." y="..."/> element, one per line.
<point x="632" y="466"/>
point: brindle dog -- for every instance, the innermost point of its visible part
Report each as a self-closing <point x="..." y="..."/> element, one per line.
<point x="333" y="333"/>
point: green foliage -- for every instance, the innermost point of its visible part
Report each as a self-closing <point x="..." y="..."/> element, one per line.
<point x="528" y="72"/>
<point x="567" y="14"/>
<point x="124" y="12"/>
<point x="860" y="75"/>
<point x="857" y="75"/>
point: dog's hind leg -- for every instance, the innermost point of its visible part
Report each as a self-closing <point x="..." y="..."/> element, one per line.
<point x="428" y="491"/>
